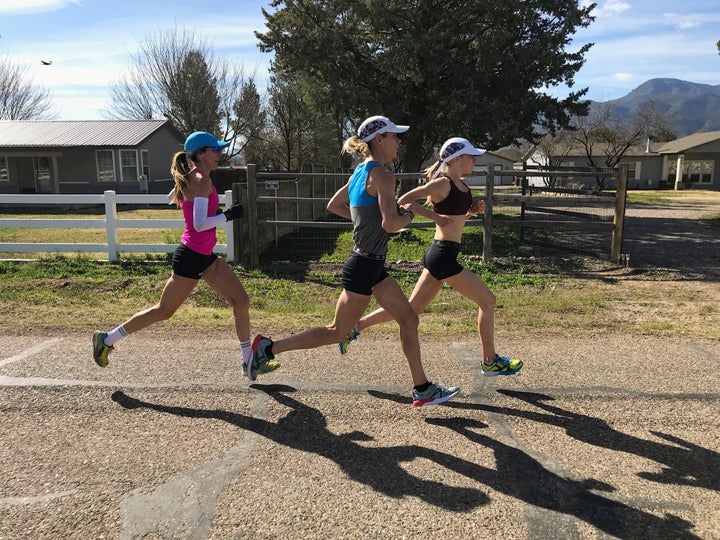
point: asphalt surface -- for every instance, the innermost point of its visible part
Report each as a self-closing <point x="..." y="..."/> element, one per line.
<point x="606" y="436"/>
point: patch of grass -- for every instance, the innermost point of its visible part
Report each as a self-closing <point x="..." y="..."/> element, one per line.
<point x="77" y="294"/>
<point x="668" y="196"/>
<point x="711" y="219"/>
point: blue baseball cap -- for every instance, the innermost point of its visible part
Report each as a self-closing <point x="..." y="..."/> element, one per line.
<point x="202" y="139"/>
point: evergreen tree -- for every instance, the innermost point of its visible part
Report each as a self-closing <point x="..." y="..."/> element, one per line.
<point x="446" y="67"/>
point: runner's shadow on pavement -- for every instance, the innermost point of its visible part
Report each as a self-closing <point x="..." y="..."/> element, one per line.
<point x="523" y="477"/>
<point x="683" y="462"/>
<point x="305" y="428"/>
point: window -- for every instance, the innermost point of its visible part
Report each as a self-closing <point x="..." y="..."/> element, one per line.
<point x="145" y="158"/>
<point x="693" y="171"/>
<point x="4" y="176"/>
<point x="129" y="166"/>
<point x="633" y="169"/>
<point x="105" y="165"/>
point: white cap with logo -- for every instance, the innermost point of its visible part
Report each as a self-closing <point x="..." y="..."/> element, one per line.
<point x="375" y="125"/>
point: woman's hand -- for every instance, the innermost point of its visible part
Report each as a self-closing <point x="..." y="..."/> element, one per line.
<point x="442" y="220"/>
<point x="477" y="207"/>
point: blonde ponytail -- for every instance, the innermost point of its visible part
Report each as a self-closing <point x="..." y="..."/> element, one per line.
<point x="355" y="145"/>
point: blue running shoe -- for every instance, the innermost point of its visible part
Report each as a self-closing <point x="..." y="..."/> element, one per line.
<point x="260" y="357"/>
<point x="435" y="394"/>
<point x="267" y="368"/>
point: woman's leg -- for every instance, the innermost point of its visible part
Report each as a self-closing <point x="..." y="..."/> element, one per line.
<point x="425" y="290"/>
<point x="391" y="297"/>
<point x="175" y="292"/>
<point x="225" y="282"/>
<point x="348" y="309"/>
<point x="473" y="288"/>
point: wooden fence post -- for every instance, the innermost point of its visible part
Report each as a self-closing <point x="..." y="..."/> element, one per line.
<point x="232" y="231"/>
<point x="619" y="218"/>
<point x="488" y="216"/>
<point x="252" y="216"/>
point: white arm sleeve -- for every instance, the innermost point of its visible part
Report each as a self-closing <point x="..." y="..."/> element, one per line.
<point x="201" y="221"/>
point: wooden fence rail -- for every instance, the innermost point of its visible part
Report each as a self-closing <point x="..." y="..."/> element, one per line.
<point x="247" y="237"/>
<point x="260" y="231"/>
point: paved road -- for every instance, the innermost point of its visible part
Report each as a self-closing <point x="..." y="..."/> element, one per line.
<point x="601" y="437"/>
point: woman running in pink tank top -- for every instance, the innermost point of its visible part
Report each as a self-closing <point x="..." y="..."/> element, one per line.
<point x="194" y="259"/>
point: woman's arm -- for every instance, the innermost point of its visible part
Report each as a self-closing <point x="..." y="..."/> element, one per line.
<point x="435" y="190"/>
<point x="199" y="190"/>
<point x="340" y="202"/>
<point x="383" y="181"/>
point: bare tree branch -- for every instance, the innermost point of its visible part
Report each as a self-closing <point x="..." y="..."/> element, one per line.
<point x="20" y="99"/>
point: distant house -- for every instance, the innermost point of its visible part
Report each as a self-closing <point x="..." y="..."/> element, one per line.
<point x="481" y="166"/>
<point x="128" y="156"/>
<point x="651" y="166"/>
<point x="698" y="158"/>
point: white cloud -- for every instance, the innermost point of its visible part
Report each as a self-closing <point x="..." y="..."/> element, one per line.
<point x="609" y="9"/>
<point x="683" y="21"/>
<point x="25" y="7"/>
<point x="623" y="77"/>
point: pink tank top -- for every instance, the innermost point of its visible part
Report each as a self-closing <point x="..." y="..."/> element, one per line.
<point x="204" y="241"/>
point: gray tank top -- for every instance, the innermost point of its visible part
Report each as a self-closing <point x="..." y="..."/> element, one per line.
<point x="370" y="238"/>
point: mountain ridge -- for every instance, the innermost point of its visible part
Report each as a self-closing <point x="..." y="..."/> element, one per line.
<point x="690" y="107"/>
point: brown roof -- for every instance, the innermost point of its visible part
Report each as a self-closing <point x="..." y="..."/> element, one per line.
<point x="687" y="143"/>
<point x="58" y="133"/>
<point x="600" y="148"/>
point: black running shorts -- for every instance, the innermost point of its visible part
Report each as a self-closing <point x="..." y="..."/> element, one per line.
<point x="440" y="259"/>
<point x="360" y="274"/>
<point x="191" y="264"/>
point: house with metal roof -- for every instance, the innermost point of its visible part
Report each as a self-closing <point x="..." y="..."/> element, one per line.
<point x="692" y="161"/>
<point x="88" y="156"/>
<point x="651" y="166"/>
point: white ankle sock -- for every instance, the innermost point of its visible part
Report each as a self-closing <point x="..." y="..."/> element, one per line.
<point x="115" y="335"/>
<point x="246" y="350"/>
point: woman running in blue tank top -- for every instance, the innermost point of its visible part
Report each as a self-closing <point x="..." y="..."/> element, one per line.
<point x="368" y="199"/>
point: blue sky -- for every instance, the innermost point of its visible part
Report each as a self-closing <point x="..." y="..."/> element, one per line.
<point x="90" y="41"/>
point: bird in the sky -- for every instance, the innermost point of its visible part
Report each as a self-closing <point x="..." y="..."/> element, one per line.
<point x="46" y="62"/>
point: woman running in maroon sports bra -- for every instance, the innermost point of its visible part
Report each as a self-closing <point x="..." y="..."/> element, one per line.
<point x="452" y="206"/>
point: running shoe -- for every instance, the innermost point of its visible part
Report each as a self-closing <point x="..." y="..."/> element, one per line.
<point x="352" y="335"/>
<point x="260" y="356"/>
<point x="100" y="350"/>
<point x="435" y="394"/>
<point x="267" y="368"/>
<point x="502" y="365"/>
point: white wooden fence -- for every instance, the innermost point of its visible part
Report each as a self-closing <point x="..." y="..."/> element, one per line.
<point x="110" y="223"/>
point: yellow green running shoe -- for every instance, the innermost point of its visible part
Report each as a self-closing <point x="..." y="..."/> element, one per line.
<point x="502" y="365"/>
<point x="265" y="368"/>
<point x="352" y="335"/>
<point x="100" y="350"/>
